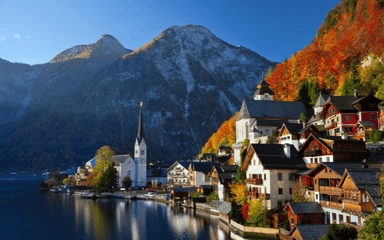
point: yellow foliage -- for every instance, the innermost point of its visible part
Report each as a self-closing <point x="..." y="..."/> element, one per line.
<point x="238" y="190"/>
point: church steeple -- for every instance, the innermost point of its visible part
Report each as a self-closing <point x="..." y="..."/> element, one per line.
<point x="263" y="91"/>
<point x="140" y="132"/>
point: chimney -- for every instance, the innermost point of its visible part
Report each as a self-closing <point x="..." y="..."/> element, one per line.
<point x="287" y="150"/>
<point x="355" y="92"/>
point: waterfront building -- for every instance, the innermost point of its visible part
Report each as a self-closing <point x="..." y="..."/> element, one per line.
<point x="221" y="176"/>
<point x="178" y="174"/>
<point x="156" y="177"/>
<point x="262" y="116"/>
<point x="304" y="213"/>
<point x="269" y="171"/>
<point x="342" y="114"/>
<point x="199" y="173"/>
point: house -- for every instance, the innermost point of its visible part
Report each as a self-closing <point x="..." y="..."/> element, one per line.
<point x="224" y="190"/>
<point x="199" y="173"/>
<point x="317" y="119"/>
<point x="296" y="133"/>
<point x="219" y="169"/>
<point x="308" y="231"/>
<point x="156" y="177"/>
<point x="304" y="213"/>
<point x="178" y="174"/>
<point x="343" y="112"/>
<point x="83" y="173"/>
<point x="263" y="116"/>
<point x="269" y="170"/>
<point x="360" y="193"/>
<point x="381" y="118"/>
<point x="326" y="177"/>
<point x="224" y="210"/>
<point x="317" y="149"/>
<point x="363" y="128"/>
<point x="179" y="194"/>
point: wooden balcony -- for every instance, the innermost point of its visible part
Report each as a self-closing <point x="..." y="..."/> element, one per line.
<point x="334" y="205"/>
<point x="312" y="153"/>
<point x="330" y="125"/>
<point x="255" y="181"/>
<point x="330" y="190"/>
<point x="258" y="195"/>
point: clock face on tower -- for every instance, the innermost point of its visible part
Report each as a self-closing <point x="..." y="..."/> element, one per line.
<point x="266" y="95"/>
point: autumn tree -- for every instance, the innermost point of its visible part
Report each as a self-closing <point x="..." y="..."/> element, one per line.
<point x="104" y="173"/>
<point x="257" y="213"/>
<point x="299" y="193"/>
<point x="239" y="192"/>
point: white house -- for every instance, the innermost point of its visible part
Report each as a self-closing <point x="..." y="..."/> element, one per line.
<point x="178" y="174"/>
<point x="199" y="173"/>
<point x="269" y="171"/>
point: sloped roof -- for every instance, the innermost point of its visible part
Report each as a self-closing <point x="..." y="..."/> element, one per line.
<point x="312" y="231"/>
<point x="305" y="207"/>
<point x="365" y="123"/>
<point x="184" y="164"/>
<point x="163" y="172"/>
<point x="226" y="176"/>
<point x="293" y="128"/>
<point x="92" y="162"/>
<point x="321" y="100"/>
<point x="272" y="156"/>
<point x="343" y="102"/>
<point x="339" y="167"/>
<point x="372" y="98"/>
<point x="204" y="167"/>
<point x="117" y="159"/>
<point x="303" y="130"/>
<point x="225" y="208"/>
<point x="229" y="168"/>
<point x="271" y="109"/>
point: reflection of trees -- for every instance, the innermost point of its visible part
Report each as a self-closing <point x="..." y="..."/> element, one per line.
<point x="100" y="222"/>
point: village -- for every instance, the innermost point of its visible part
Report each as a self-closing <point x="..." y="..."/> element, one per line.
<point x="306" y="174"/>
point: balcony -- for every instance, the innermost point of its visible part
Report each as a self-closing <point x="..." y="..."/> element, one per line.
<point x="312" y="153"/>
<point x="334" y="205"/>
<point x="258" y="195"/>
<point x="255" y="181"/>
<point x="330" y="125"/>
<point x="330" y="190"/>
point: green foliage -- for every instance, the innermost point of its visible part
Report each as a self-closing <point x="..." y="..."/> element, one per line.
<point x="107" y="178"/>
<point x="340" y="232"/>
<point x="240" y="175"/>
<point x="246" y="143"/>
<point x="375" y="136"/>
<point x="257" y="213"/>
<point x="314" y="91"/>
<point x="194" y="194"/>
<point x="373" y="227"/>
<point x="299" y="193"/>
<point x="352" y="83"/>
<point x="242" y="156"/>
<point x="127" y="182"/>
<point x="303" y="95"/>
<point x="212" y="196"/>
<point x="303" y="118"/>
<point x="235" y="213"/>
<point x="270" y="140"/>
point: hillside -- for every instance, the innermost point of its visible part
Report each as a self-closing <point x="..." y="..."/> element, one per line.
<point x="350" y="33"/>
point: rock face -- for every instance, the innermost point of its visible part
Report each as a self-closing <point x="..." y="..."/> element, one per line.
<point x="88" y="96"/>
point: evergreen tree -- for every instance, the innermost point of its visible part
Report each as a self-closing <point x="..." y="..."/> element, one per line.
<point x="303" y="95"/>
<point x="352" y="83"/>
<point x="314" y="91"/>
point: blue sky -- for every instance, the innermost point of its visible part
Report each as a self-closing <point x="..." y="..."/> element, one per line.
<point x="34" y="31"/>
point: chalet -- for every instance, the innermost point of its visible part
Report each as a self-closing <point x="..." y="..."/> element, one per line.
<point x="219" y="169"/>
<point x="304" y="213"/>
<point x="296" y="133"/>
<point x="269" y="170"/>
<point x="325" y="178"/>
<point x="263" y="116"/>
<point x="317" y="149"/>
<point x="360" y="193"/>
<point x="343" y="112"/>
<point x="363" y="128"/>
<point x="178" y="174"/>
<point x="308" y="231"/>
<point x="199" y="173"/>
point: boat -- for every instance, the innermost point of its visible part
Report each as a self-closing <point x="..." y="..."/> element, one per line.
<point x="55" y="190"/>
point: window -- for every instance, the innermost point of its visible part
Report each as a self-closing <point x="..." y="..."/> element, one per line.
<point x="341" y="218"/>
<point x="317" y="196"/>
<point x="311" y="160"/>
<point x="280" y="176"/>
<point x="290" y="190"/>
<point x="337" y="130"/>
<point x="348" y="129"/>
<point x="334" y="217"/>
<point x="328" y="159"/>
<point x="315" y="181"/>
<point x="265" y="177"/>
<point x="320" y="160"/>
<point x="280" y="191"/>
<point x="326" y="170"/>
<point x="373" y="116"/>
<point x="347" y="118"/>
<point x="290" y="177"/>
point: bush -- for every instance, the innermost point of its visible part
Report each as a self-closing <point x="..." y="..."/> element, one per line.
<point x="212" y="196"/>
<point x="127" y="182"/>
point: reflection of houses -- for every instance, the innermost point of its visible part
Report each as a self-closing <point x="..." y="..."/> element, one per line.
<point x="263" y="116"/>
<point x="269" y="169"/>
<point x="343" y="112"/>
<point x="317" y="149"/>
<point x="199" y="173"/>
<point x="178" y="174"/>
<point x="304" y="213"/>
<point x="326" y="178"/>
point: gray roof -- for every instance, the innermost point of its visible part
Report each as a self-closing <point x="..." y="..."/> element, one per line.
<point x="117" y="159"/>
<point x="343" y="102"/>
<point x="204" y="167"/>
<point x="366" y="123"/>
<point x="163" y="172"/>
<point x="272" y="156"/>
<point x="305" y="207"/>
<point x="321" y="100"/>
<point x="339" y="167"/>
<point x="184" y="189"/>
<point x="304" y="172"/>
<point x="303" y="130"/>
<point x="225" y="208"/>
<point x="271" y="109"/>
<point x="229" y="168"/>
<point x="312" y="231"/>
<point x="226" y="176"/>
<point x="294" y="128"/>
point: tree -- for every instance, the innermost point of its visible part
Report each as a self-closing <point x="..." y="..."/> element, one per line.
<point x="240" y="175"/>
<point x="340" y="232"/>
<point x="107" y="178"/>
<point x="299" y="193"/>
<point x="105" y="175"/>
<point x="352" y="83"/>
<point x="127" y="182"/>
<point x="235" y="213"/>
<point x="303" y="118"/>
<point x="238" y="191"/>
<point x="257" y="212"/>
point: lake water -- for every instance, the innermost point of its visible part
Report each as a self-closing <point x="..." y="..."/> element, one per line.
<point x="27" y="213"/>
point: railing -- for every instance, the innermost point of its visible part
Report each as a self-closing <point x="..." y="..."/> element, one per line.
<point x="255" y="181"/>
<point x="330" y="125"/>
<point x="328" y="190"/>
<point x="258" y="195"/>
<point x="312" y="153"/>
<point x="334" y="205"/>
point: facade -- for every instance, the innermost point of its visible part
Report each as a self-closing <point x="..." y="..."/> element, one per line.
<point x="269" y="170"/>
<point x="221" y="176"/>
<point x="156" y="177"/>
<point x="304" y="213"/>
<point x="317" y="119"/>
<point x="124" y="165"/>
<point x="199" y="173"/>
<point x="296" y="133"/>
<point x="317" y="149"/>
<point x="263" y="116"/>
<point x="178" y="174"/>
<point x="342" y="113"/>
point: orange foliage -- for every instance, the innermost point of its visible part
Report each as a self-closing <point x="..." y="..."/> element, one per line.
<point x="226" y="134"/>
<point x="346" y="35"/>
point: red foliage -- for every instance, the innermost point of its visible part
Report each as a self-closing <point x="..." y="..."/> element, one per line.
<point x="352" y="36"/>
<point x="244" y="211"/>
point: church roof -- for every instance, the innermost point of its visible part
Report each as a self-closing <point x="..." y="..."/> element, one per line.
<point x="92" y="162"/>
<point x="271" y="109"/>
<point x="263" y="88"/>
<point x="140" y="132"/>
<point x="321" y="100"/>
<point x="117" y="159"/>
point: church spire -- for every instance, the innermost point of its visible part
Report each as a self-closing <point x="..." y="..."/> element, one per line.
<point x="140" y="132"/>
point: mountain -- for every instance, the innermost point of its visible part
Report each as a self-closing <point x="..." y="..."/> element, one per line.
<point x="189" y="81"/>
<point x="351" y="34"/>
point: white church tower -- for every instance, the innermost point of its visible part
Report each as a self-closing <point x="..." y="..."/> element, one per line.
<point x="140" y="154"/>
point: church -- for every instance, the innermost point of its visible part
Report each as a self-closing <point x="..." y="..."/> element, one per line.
<point x="262" y="116"/>
<point x="135" y="169"/>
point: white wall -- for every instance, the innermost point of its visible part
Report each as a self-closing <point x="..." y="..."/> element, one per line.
<point x="181" y="171"/>
<point x="325" y="158"/>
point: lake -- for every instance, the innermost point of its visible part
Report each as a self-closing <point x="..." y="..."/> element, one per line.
<point x="27" y="213"/>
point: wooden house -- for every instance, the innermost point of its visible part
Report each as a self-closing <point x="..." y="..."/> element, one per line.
<point x="179" y="194"/>
<point x="296" y="133"/>
<point x="304" y="213"/>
